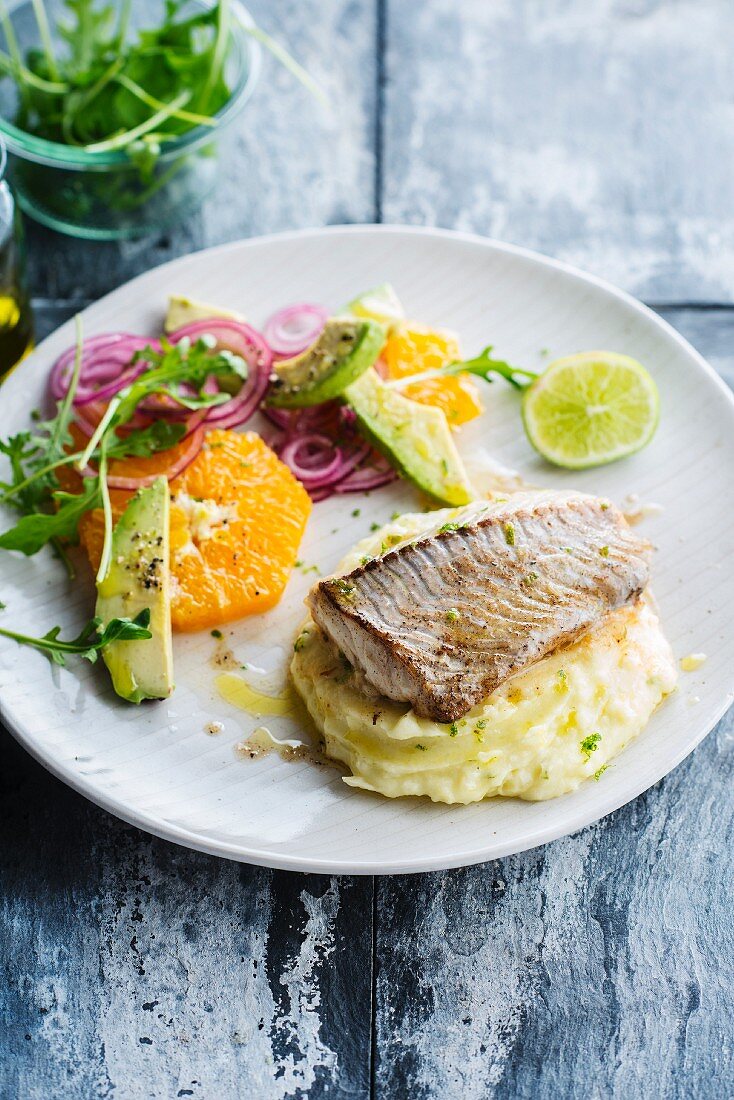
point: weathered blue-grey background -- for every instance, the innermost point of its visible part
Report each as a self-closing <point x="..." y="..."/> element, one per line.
<point x="602" y="132"/>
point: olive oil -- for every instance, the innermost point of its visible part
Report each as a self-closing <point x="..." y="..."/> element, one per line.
<point x="16" y="332"/>
<point x="16" y="320"/>
<point x="240" y="694"/>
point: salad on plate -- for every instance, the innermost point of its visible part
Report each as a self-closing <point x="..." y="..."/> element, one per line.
<point x="486" y="643"/>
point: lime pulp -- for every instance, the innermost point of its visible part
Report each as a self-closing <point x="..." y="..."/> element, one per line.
<point x="590" y="409"/>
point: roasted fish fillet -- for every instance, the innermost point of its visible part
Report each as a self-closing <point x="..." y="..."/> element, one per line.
<point x="442" y="621"/>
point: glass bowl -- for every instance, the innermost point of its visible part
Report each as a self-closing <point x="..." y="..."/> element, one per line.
<point x="105" y="195"/>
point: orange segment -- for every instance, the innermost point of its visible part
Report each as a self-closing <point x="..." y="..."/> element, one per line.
<point x="156" y="463"/>
<point x="456" y="395"/>
<point x="413" y="349"/>
<point x="237" y="518"/>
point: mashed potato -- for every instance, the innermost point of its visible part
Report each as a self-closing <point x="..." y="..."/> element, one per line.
<point x="537" y="736"/>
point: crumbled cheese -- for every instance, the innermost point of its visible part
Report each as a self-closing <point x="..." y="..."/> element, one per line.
<point x="204" y="517"/>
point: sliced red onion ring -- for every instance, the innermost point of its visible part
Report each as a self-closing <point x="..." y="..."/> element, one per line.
<point x="104" y="359"/>
<point x="325" y="419"/>
<point x="293" y="329"/>
<point x="195" y="441"/>
<point x="314" y="459"/>
<point x="162" y="404"/>
<point x="280" y="417"/>
<point x="193" y="422"/>
<point x="242" y="340"/>
<point x="373" y="475"/>
<point x="105" y="392"/>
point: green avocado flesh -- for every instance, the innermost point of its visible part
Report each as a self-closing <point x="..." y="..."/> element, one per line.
<point x="184" y="311"/>
<point x="139" y="577"/>
<point x="345" y="350"/>
<point x="415" y="438"/>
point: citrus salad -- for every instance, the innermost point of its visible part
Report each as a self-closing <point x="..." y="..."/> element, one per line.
<point x="190" y="522"/>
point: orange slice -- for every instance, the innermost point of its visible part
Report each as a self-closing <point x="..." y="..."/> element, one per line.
<point x="237" y="518"/>
<point x="413" y="349"/>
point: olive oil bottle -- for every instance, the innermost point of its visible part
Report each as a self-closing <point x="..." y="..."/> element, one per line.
<point x="16" y="318"/>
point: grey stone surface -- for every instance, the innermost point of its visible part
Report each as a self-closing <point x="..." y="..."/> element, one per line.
<point x="133" y="968"/>
<point x="598" y="131"/>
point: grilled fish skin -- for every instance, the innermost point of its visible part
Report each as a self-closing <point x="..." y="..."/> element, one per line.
<point x="441" y="621"/>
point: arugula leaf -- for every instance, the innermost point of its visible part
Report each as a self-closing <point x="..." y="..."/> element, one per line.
<point x="90" y="641"/>
<point x="89" y="36"/>
<point x="143" y="442"/>
<point x="483" y="365"/>
<point x="17" y="450"/>
<point x="33" y="531"/>
<point x="37" y="486"/>
<point x="179" y="371"/>
<point x="34" y="457"/>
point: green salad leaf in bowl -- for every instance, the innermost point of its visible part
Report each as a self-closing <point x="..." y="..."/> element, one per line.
<point x="114" y="114"/>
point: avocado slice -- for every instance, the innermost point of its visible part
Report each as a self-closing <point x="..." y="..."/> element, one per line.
<point x="380" y="304"/>
<point x="415" y="438"/>
<point x="184" y="311"/>
<point x="139" y="577"/>
<point x="343" y="351"/>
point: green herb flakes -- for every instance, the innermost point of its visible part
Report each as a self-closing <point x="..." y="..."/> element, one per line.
<point x="344" y="587"/>
<point x="509" y="534"/>
<point x="590" y="744"/>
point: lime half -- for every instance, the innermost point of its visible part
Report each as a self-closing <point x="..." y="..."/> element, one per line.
<point x="591" y="408"/>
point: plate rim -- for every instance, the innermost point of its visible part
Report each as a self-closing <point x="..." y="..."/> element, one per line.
<point x="540" y="835"/>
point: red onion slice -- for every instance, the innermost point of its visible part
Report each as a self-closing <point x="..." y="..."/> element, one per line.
<point x="280" y="417"/>
<point x="293" y="329"/>
<point x="242" y="340"/>
<point x="104" y="359"/>
<point x="195" y="442"/>
<point x="314" y="459"/>
<point x="105" y="392"/>
<point x="373" y="475"/>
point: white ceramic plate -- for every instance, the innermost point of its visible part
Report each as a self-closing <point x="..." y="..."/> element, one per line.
<point x="156" y="767"/>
